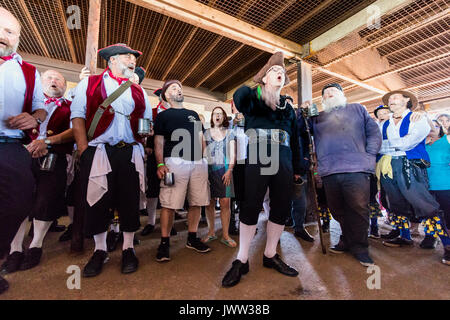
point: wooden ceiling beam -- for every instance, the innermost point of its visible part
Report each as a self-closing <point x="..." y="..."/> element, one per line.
<point x="156" y="42"/>
<point x="30" y="21"/>
<point x="180" y="52"/>
<point x="236" y="71"/>
<point x="277" y="13"/>
<point x="131" y="24"/>
<point x="306" y="17"/>
<point x="205" y="17"/>
<point x="199" y="60"/>
<point x="231" y="55"/>
<point x="69" y="40"/>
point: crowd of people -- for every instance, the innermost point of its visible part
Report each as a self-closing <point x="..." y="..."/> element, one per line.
<point x="93" y="155"/>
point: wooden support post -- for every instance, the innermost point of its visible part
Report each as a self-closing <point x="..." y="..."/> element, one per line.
<point x="77" y="244"/>
<point x="93" y="35"/>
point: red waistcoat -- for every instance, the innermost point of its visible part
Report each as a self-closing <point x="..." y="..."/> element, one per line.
<point x="58" y="123"/>
<point x="29" y="73"/>
<point x="96" y="94"/>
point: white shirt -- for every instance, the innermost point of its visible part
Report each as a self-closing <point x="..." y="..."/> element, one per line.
<point x="12" y="94"/>
<point x="51" y="107"/>
<point x="396" y="145"/>
<point x="120" y="128"/>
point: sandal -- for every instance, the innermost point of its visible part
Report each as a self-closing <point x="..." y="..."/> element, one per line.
<point x="229" y="243"/>
<point x="208" y="239"/>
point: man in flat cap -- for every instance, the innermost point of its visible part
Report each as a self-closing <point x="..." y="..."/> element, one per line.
<point x="105" y="115"/>
<point x="347" y="141"/>
<point x="403" y="172"/>
<point x="271" y="125"/>
<point x="179" y="149"/>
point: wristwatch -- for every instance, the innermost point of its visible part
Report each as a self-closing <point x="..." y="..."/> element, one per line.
<point x="47" y="142"/>
<point x="39" y="121"/>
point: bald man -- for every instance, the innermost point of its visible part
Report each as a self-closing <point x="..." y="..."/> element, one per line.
<point x="54" y="138"/>
<point x="21" y="109"/>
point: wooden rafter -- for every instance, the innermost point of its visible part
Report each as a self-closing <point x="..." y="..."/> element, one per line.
<point x="231" y="55"/>
<point x="236" y="71"/>
<point x="131" y="24"/>
<point x="306" y="17"/>
<point x="70" y="45"/>
<point x="243" y="10"/>
<point x="180" y="52"/>
<point x="203" y="56"/>
<point x="278" y="13"/>
<point x="30" y="21"/>
<point x="155" y="43"/>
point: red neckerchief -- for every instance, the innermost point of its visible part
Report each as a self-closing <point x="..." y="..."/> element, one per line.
<point x="49" y="100"/>
<point x="160" y="107"/>
<point x="118" y="79"/>
<point x="7" y="58"/>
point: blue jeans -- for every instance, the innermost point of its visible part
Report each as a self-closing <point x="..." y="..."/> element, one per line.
<point x="298" y="212"/>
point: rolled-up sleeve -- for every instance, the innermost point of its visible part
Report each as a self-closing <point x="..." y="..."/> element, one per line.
<point x="38" y="94"/>
<point x="78" y="107"/>
<point x="418" y="131"/>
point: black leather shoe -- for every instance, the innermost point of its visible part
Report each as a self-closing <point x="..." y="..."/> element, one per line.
<point x="278" y="264"/>
<point x="67" y="235"/>
<point x="55" y="227"/>
<point x="233" y="276"/>
<point x="147" y="230"/>
<point x="398" y="242"/>
<point x="303" y="234"/>
<point x="13" y="262"/>
<point x="95" y="264"/>
<point x="3" y="285"/>
<point x="391" y="235"/>
<point x="129" y="261"/>
<point x="32" y="258"/>
<point x="429" y="242"/>
<point x="112" y="239"/>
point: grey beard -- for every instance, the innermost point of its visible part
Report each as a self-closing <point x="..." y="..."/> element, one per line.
<point x="178" y="99"/>
<point x="334" y="103"/>
<point x="271" y="98"/>
<point x="9" y="50"/>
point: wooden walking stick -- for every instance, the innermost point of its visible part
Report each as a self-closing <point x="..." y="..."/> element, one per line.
<point x="312" y="184"/>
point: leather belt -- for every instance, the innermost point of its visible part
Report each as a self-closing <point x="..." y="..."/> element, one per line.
<point x="10" y="140"/>
<point x="277" y="136"/>
<point x="123" y="144"/>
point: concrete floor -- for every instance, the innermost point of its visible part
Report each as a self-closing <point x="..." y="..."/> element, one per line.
<point x="406" y="273"/>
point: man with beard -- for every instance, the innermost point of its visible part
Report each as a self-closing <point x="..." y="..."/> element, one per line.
<point x="403" y="175"/>
<point x="21" y="108"/>
<point x="271" y="125"/>
<point x="347" y="141"/>
<point x="179" y="149"/>
<point x="55" y="137"/>
<point x="105" y="115"/>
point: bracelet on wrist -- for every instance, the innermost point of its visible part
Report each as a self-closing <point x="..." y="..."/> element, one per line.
<point x="160" y="165"/>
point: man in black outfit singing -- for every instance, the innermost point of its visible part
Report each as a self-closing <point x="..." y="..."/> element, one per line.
<point x="273" y="162"/>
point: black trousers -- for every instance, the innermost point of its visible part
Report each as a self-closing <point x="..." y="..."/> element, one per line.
<point x="153" y="181"/>
<point x="443" y="198"/>
<point x="281" y="186"/>
<point x="50" y="194"/>
<point x="401" y="198"/>
<point x="348" y="199"/>
<point x="239" y="181"/>
<point x="16" y="189"/>
<point x="123" y="192"/>
<point x="373" y="189"/>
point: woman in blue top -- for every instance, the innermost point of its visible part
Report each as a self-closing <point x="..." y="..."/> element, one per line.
<point x="221" y="155"/>
<point x="438" y="148"/>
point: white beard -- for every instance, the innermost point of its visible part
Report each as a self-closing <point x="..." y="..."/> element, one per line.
<point x="127" y="73"/>
<point x="334" y="103"/>
<point x="271" y="97"/>
<point x="4" y="52"/>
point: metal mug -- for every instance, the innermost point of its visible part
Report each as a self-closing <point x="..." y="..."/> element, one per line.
<point x="49" y="162"/>
<point x="144" y="126"/>
<point x="313" y="111"/>
<point x="169" y="179"/>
